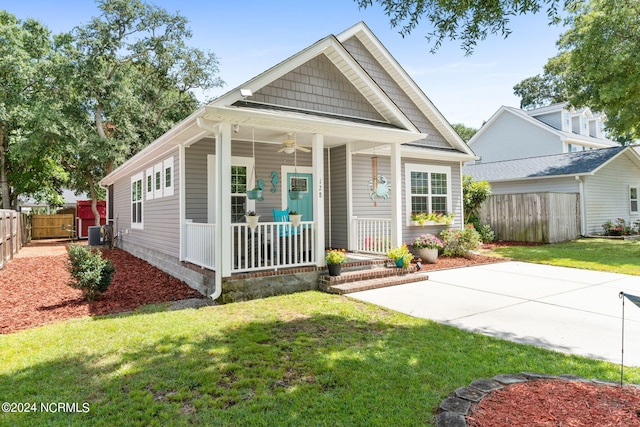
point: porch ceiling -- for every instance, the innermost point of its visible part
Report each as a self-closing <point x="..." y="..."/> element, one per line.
<point x="273" y="126"/>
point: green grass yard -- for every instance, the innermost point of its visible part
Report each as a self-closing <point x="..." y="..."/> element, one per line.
<point x="617" y="256"/>
<point x="309" y="359"/>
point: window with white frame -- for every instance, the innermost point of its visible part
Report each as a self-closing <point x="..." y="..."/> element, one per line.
<point x="149" y="186"/>
<point x="136" y="201"/>
<point x="168" y="176"/>
<point x="633" y="199"/>
<point x="157" y="181"/>
<point x="238" y="192"/>
<point x="428" y="188"/>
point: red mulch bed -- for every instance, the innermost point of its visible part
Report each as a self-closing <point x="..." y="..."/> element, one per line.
<point x="34" y="290"/>
<point x="556" y="403"/>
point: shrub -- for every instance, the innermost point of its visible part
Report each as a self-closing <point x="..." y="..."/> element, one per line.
<point x="486" y="233"/>
<point x="619" y="228"/>
<point x="89" y="271"/>
<point x="459" y="242"/>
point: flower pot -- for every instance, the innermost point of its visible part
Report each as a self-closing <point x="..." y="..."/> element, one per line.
<point x="295" y="219"/>
<point x="254" y="194"/>
<point x="428" y="255"/>
<point x="399" y="262"/>
<point x="296" y="195"/>
<point x="415" y="223"/>
<point x="252" y="221"/>
<point x="334" y="269"/>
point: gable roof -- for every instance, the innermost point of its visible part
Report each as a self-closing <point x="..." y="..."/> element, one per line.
<point x="568" y="164"/>
<point x="396" y="127"/>
<point x="569" y="137"/>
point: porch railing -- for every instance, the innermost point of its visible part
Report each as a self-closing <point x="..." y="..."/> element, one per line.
<point x="272" y="245"/>
<point x="269" y="246"/>
<point x="372" y="235"/>
<point x="199" y="248"/>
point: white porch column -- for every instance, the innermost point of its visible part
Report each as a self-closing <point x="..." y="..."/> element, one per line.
<point x="182" y="196"/>
<point x="396" y="196"/>
<point x="317" y="162"/>
<point x="223" y="202"/>
<point x="350" y="238"/>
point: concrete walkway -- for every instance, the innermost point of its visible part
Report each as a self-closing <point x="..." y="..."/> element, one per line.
<point x="564" y="309"/>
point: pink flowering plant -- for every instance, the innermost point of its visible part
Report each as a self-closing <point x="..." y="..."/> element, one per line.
<point x="428" y="241"/>
<point x="619" y="228"/>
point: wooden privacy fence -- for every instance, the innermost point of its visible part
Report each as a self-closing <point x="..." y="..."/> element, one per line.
<point x="51" y="226"/>
<point x="11" y="235"/>
<point x="533" y="217"/>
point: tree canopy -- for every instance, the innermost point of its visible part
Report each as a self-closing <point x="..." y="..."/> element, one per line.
<point x="466" y="133"/>
<point x="29" y="107"/>
<point x="599" y="63"/>
<point x="467" y="21"/>
<point x="540" y="90"/>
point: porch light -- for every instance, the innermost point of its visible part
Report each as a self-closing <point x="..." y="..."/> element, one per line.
<point x="246" y="92"/>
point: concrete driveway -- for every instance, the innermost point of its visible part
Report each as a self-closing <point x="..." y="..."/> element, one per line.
<point x="564" y="309"/>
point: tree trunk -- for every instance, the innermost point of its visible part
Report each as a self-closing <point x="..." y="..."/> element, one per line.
<point x="94" y="199"/>
<point x="4" y="182"/>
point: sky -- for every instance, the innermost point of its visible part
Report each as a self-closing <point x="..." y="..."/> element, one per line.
<point x="249" y="37"/>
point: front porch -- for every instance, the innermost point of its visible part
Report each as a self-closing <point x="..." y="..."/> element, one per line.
<point x="278" y="245"/>
<point x="361" y="272"/>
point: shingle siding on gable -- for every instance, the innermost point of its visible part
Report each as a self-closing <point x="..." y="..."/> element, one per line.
<point x="395" y="93"/>
<point x="518" y="138"/>
<point x="318" y="86"/>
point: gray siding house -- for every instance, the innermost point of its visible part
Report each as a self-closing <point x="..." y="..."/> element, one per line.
<point x="512" y="133"/>
<point x="317" y="134"/>
<point x="607" y="181"/>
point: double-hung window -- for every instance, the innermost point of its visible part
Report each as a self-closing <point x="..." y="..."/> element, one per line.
<point x="428" y="188"/>
<point x="136" y="201"/>
<point x="633" y="199"/>
<point x="238" y="192"/>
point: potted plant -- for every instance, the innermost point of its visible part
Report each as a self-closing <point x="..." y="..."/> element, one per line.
<point x="335" y="258"/>
<point x="432" y="218"/>
<point x="295" y="218"/>
<point x="254" y="194"/>
<point x="427" y="246"/>
<point x="401" y="256"/>
<point x="252" y="219"/>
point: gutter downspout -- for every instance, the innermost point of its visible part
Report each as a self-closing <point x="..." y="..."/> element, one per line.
<point x="583" y="204"/>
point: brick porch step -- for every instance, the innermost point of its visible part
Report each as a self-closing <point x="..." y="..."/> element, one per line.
<point x="381" y="282"/>
<point x="368" y="277"/>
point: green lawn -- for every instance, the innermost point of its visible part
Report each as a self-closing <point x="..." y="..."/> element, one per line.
<point x="618" y="256"/>
<point x="308" y="359"/>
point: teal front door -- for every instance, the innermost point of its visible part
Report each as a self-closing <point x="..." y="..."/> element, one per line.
<point x="302" y="183"/>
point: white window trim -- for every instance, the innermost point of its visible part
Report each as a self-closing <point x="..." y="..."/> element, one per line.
<point x="637" y="199"/>
<point x="418" y="167"/>
<point x="137" y="177"/>
<point x="167" y="189"/>
<point x="157" y="189"/>
<point x="212" y="177"/>
<point x="149" y="175"/>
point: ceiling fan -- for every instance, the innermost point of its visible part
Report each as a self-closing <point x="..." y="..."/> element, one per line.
<point x="289" y="146"/>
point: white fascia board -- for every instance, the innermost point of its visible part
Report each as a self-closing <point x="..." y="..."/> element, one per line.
<point x="408" y="85"/>
<point x="632" y="154"/>
<point x="337" y="54"/>
<point x="529" y="178"/>
<point x="184" y="132"/>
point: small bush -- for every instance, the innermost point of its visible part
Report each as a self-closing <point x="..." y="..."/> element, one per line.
<point x="619" y="228"/>
<point x="459" y="242"/>
<point x="89" y="271"/>
<point x="486" y="233"/>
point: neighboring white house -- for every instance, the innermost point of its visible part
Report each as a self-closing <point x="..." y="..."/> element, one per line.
<point x="512" y="133"/>
<point x="329" y="123"/>
<point x="607" y="181"/>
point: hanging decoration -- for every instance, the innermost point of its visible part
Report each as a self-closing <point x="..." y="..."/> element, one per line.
<point x="294" y="194"/>
<point x="378" y="185"/>
<point x="275" y="179"/>
<point x="257" y="192"/>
